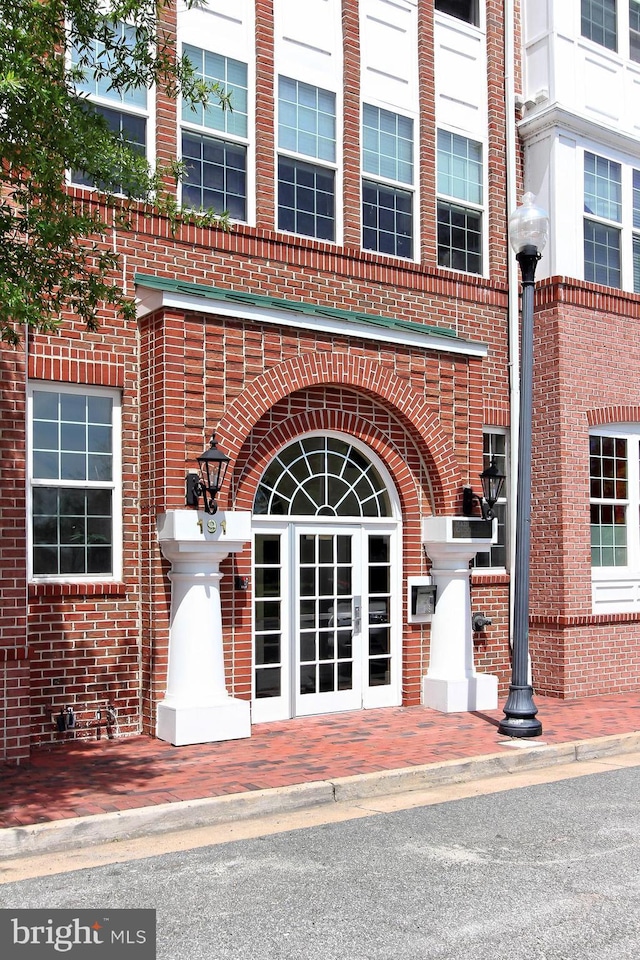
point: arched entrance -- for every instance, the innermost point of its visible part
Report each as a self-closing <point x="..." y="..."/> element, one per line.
<point x="327" y="600"/>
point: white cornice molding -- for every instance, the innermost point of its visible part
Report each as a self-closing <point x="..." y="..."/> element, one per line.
<point x="558" y="118"/>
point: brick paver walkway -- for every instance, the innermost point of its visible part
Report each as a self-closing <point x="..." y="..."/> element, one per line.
<point x="88" y="777"/>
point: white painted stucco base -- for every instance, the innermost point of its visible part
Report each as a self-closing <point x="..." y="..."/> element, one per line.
<point x="452" y="684"/>
<point x="197" y="707"/>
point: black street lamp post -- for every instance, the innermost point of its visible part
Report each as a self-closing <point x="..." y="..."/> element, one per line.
<point x="528" y="230"/>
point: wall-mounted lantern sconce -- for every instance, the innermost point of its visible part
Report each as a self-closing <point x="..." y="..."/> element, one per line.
<point x="213" y="465"/>
<point x="492" y="483"/>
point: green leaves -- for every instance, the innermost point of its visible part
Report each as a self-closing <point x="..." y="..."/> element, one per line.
<point x="56" y="253"/>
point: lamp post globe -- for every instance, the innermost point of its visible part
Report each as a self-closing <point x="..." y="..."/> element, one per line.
<point x="528" y="233"/>
<point x="528" y="227"/>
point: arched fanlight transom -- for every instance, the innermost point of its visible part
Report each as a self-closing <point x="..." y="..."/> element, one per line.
<point x="322" y="477"/>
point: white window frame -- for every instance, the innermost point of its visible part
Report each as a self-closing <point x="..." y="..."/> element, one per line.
<point x="279" y="708"/>
<point x="335" y="167"/>
<point x="616" y="589"/>
<point x="623" y="32"/>
<point x="399" y="185"/>
<point x="619" y="27"/>
<point x="600" y="220"/>
<point x="625" y="224"/>
<point x="502" y="501"/>
<point x="482" y="209"/>
<point x="628" y="34"/>
<point x="147" y="113"/>
<point x="479" y="18"/>
<point x="115" y="484"/>
<point x="200" y="130"/>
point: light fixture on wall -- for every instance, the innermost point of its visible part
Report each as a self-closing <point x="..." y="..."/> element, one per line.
<point x="213" y="465"/>
<point x="492" y="483"/>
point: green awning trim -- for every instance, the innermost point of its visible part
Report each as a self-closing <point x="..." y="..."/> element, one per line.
<point x="293" y="306"/>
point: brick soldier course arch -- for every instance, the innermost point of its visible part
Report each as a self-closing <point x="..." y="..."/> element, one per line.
<point x="332" y="421"/>
<point x="619" y="413"/>
<point x="361" y="373"/>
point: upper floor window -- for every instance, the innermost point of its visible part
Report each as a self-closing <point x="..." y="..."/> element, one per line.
<point x="462" y="9"/>
<point x="75" y="482"/>
<point x="125" y="110"/>
<point x="603" y="20"/>
<point x="306" y="187"/>
<point x="460" y="199"/>
<point x="387" y="160"/>
<point x="602" y="223"/>
<point x="636" y="231"/>
<point x="599" y="22"/>
<point x="634" y="29"/>
<point x="214" y="140"/>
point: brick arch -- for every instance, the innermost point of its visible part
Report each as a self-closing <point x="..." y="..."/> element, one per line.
<point x="616" y="413"/>
<point x="359" y="373"/>
<point x="333" y="421"/>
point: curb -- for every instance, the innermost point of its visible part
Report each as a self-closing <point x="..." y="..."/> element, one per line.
<point x="40" y="838"/>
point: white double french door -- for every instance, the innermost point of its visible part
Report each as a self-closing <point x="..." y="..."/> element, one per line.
<point x="326" y="618"/>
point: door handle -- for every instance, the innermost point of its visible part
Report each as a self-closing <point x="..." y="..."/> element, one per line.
<point x="356" y="614"/>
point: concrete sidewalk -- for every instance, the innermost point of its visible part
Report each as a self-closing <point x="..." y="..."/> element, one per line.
<point x="88" y="792"/>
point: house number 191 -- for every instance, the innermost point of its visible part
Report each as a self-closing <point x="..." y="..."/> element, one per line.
<point x="212" y="526"/>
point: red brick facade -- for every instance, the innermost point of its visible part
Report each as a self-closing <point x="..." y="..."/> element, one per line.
<point x="181" y="374"/>
<point x="587" y="374"/>
<point x="184" y="372"/>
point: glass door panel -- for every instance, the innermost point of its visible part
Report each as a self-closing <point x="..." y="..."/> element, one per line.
<point x="271" y="672"/>
<point x="326" y="617"/>
<point x="379" y="605"/>
<point x="327" y="630"/>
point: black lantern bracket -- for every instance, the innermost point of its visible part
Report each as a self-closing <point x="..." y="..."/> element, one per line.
<point x="492" y="484"/>
<point x="208" y="482"/>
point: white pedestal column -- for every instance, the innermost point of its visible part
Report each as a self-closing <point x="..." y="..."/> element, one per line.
<point x="197" y="707"/>
<point x="452" y="684"/>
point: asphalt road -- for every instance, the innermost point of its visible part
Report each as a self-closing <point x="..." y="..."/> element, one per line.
<point x="548" y="872"/>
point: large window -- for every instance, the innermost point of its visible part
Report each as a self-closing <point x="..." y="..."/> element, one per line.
<point x="611" y="222"/>
<point x="387" y="195"/>
<point x="214" y="140"/>
<point x="636" y="231"/>
<point x="614" y="476"/>
<point x="599" y="23"/>
<point x="125" y="111"/>
<point x="306" y="187"/>
<point x="495" y="448"/>
<point x="461" y="9"/>
<point x="75" y="483"/>
<point x="634" y="29"/>
<point x="610" y="493"/>
<point x="603" y="21"/>
<point x="460" y="199"/>
<point x="603" y="217"/>
<point x="322" y="476"/>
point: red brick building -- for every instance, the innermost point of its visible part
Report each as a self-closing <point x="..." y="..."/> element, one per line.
<point x="350" y="342"/>
<point x="581" y="67"/>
